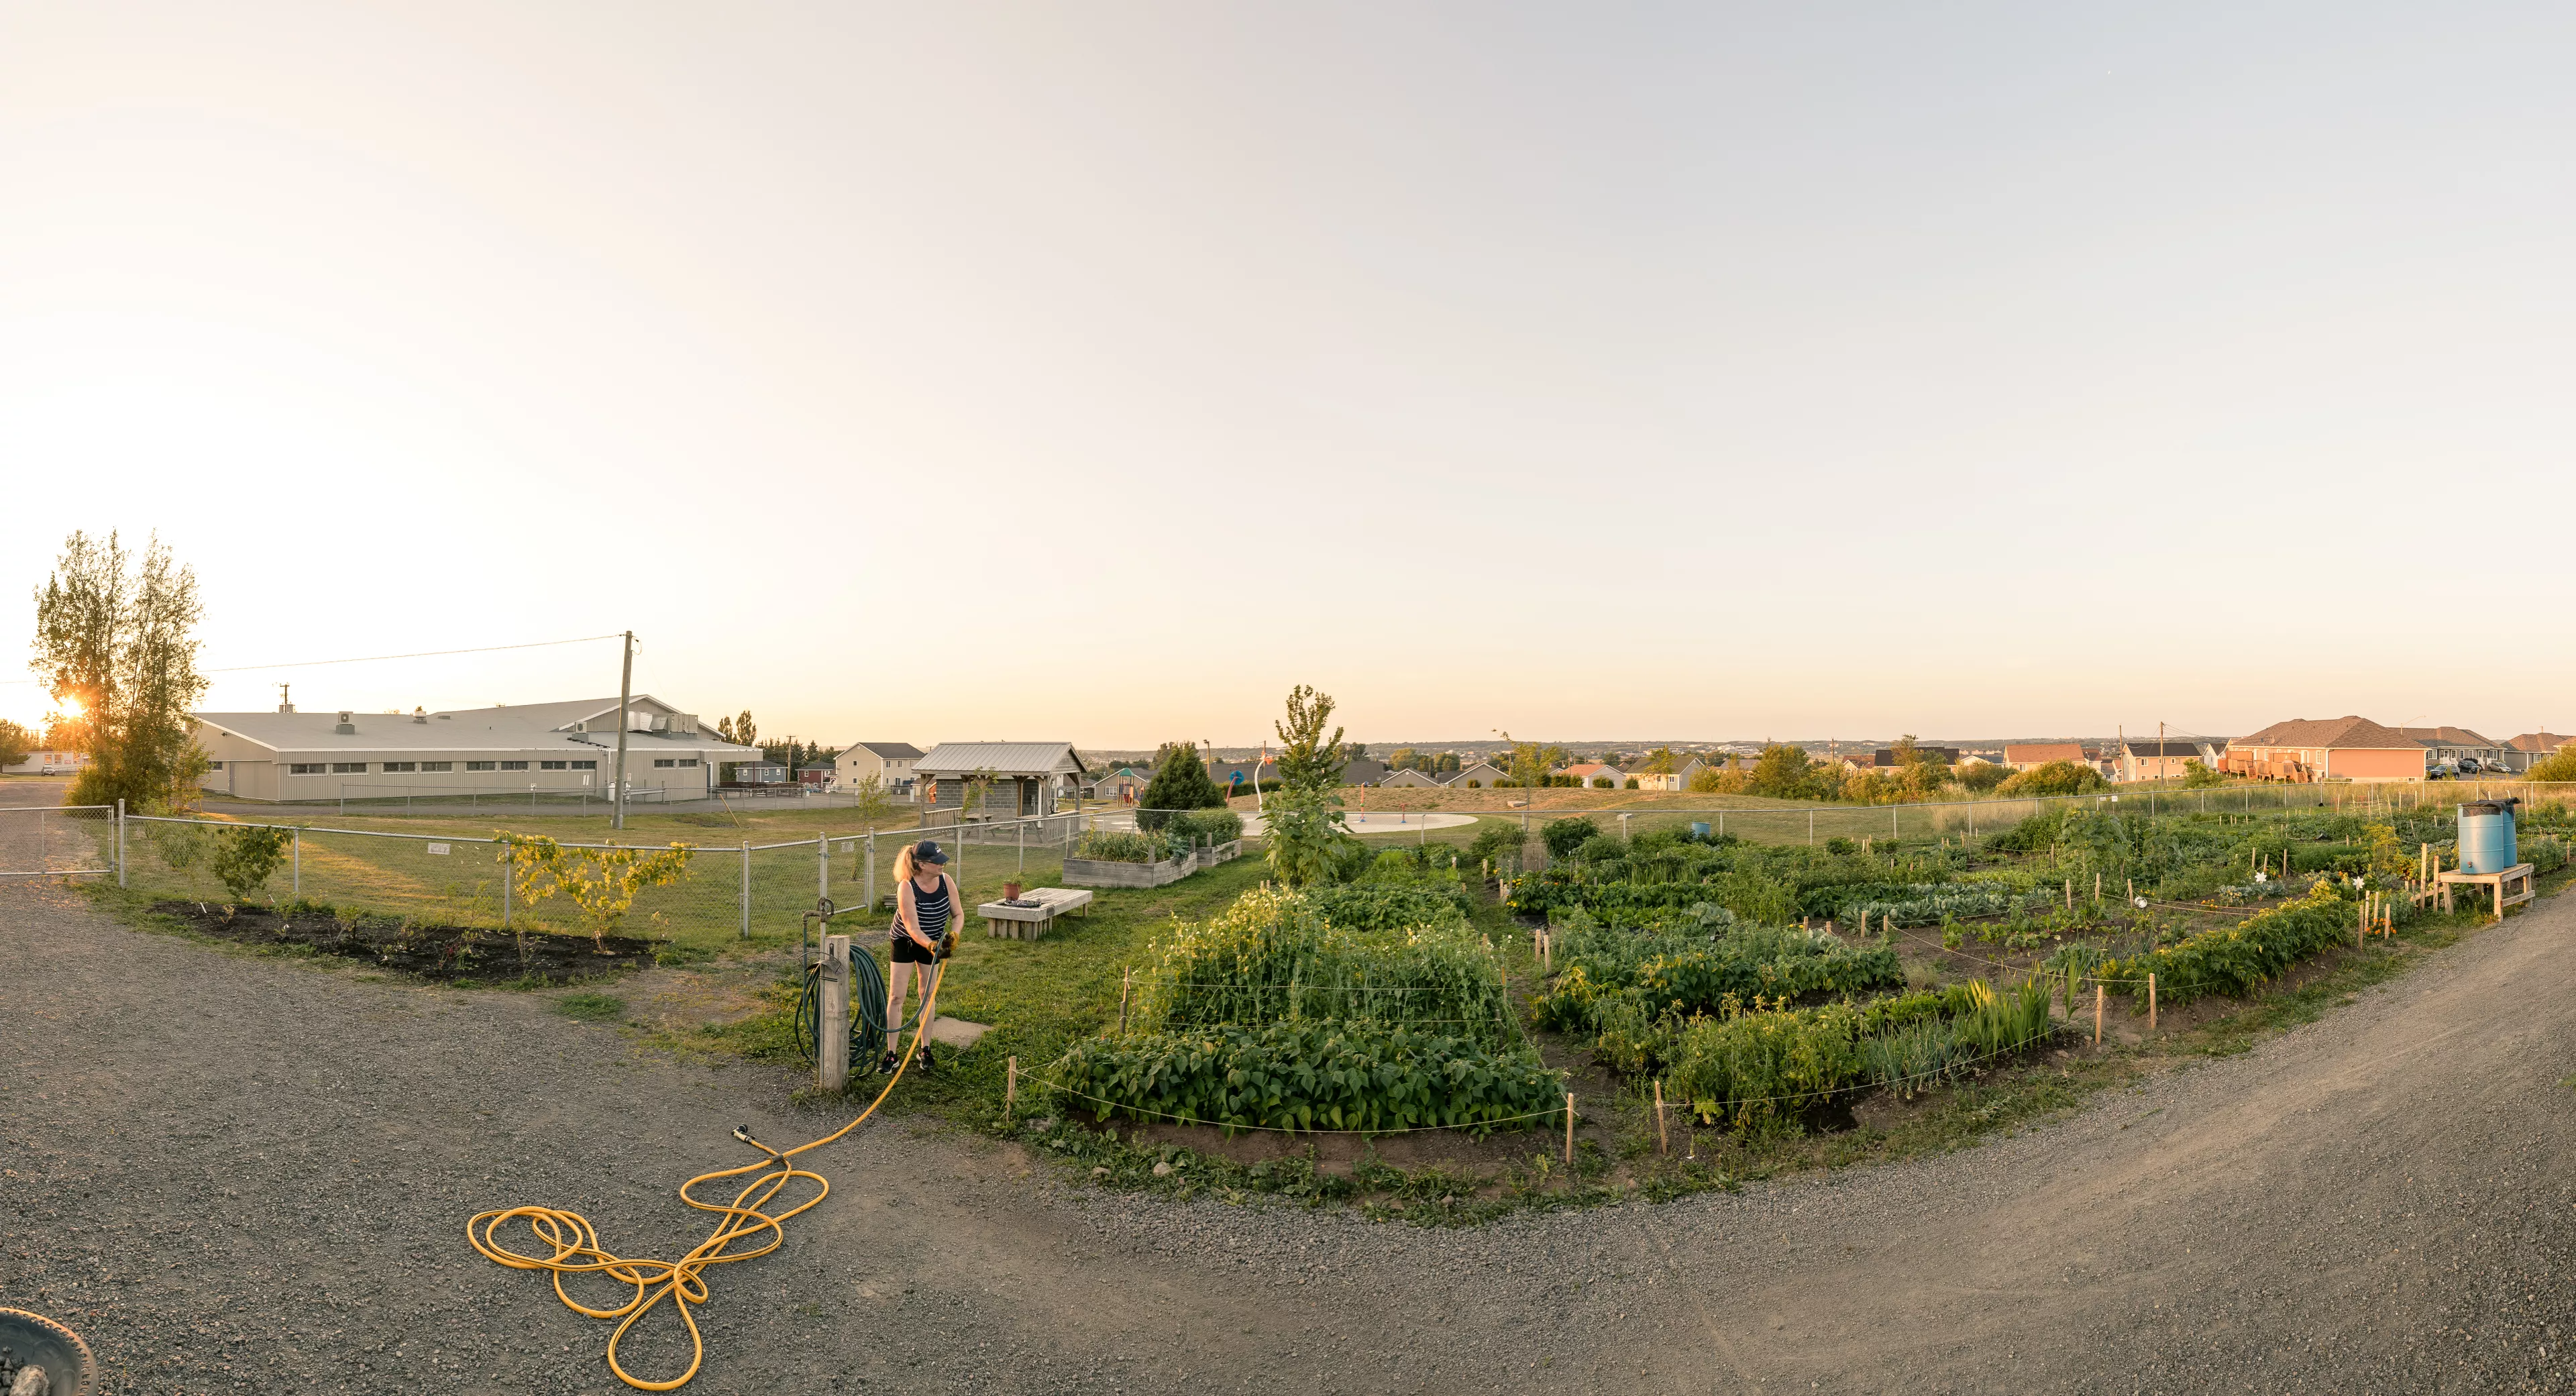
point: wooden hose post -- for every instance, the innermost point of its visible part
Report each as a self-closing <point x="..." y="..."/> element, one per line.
<point x="1569" y="1129"/>
<point x="2151" y="1002"/>
<point x="1010" y="1087"/>
<point x="2098" y="996"/>
<point x="1663" y="1138"/>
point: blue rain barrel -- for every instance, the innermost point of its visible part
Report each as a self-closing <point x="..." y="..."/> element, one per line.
<point x="1699" y="828"/>
<point x="2486" y="836"/>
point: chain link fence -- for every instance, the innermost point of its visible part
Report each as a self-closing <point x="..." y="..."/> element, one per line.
<point x="57" y="840"/>
<point x="730" y="893"/>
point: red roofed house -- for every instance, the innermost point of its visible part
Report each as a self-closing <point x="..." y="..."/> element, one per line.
<point x="2030" y="756"/>
<point x="2335" y="748"/>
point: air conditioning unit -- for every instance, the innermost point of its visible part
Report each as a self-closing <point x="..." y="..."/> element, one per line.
<point x="661" y="723"/>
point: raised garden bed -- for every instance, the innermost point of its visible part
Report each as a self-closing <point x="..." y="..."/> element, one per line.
<point x="444" y="953"/>
<point x="1104" y="872"/>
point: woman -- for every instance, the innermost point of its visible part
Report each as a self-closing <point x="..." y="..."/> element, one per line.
<point x="925" y="911"/>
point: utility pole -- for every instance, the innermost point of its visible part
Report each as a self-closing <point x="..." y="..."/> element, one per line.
<point x="625" y="686"/>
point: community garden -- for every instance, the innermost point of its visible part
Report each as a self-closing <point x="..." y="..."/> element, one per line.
<point x="1454" y="1022"/>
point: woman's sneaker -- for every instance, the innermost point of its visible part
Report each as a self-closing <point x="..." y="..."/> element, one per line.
<point x="886" y="1067"/>
<point x="928" y="1062"/>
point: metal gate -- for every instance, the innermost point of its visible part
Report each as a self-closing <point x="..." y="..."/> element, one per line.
<point x="58" y="840"/>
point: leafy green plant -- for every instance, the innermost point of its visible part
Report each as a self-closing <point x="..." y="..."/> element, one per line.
<point x="1307" y="1074"/>
<point x="2055" y="778"/>
<point x="245" y="857"/>
<point x="601" y="882"/>
<point x="1563" y="836"/>
<point x="1181" y="782"/>
<point x="1276" y="955"/>
<point x="1116" y="846"/>
<point x="2233" y="960"/>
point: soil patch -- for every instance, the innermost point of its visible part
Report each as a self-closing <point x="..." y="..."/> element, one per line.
<point x="445" y="953"/>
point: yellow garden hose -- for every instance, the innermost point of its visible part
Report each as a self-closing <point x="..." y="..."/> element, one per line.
<point x="577" y="1250"/>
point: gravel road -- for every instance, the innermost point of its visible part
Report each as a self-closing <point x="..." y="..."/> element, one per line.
<point x="245" y="1174"/>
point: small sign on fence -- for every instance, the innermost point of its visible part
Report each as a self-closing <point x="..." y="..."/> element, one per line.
<point x="439" y="849"/>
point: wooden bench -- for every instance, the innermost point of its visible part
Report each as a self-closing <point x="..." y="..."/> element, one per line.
<point x="1030" y="922"/>
<point x="2512" y="887"/>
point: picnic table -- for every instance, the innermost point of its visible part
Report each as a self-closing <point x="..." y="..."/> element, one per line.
<point x="1030" y="922"/>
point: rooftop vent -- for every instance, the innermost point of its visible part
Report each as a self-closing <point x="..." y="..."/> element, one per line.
<point x="420" y="715"/>
<point x="346" y="727"/>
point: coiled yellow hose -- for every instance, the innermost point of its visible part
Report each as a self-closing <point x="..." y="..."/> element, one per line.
<point x="577" y="1250"/>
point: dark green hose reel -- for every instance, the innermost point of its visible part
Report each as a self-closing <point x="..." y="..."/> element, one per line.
<point x="867" y="993"/>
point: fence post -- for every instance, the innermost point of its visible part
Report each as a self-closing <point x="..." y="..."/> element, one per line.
<point x="746" y="889"/>
<point x="505" y="896"/>
<point x="2151" y="1002"/>
<point x="872" y="869"/>
<point x="1024" y="845"/>
<point x="1569" y="1130"/>
<point x="120" y="841"/>
<point x="832" y="1024"/>
<point x="823" y="864"/>
<point x="299" y="865"/>
<point x="1811" y="828"/>
<point x="1010" y="1087"/>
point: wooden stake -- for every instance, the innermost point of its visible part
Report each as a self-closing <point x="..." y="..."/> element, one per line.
<point x="2097" y="887"/>
<point x="2070" y="894"/>
<point x="1569" y="1129"/>
<point x="1126" y="981"/>
<point x="1663" y="1138"/>
<point x="2097" y="1014"/>
<point x="1010" y="1087"/>
<point x="2151" y="1003"/>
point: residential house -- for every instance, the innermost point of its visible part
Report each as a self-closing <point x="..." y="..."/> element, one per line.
<point x="287" y="755"/>
<point x="889" y="762"/>
<point x="1590" y="771"/>
<point x="2459" y="749"/>
<point x="1407" y="779"/>
<point x="1025" y="778"/>
<point x="2335" y="748"/>
<point x="1888" y="758"/>
<point x="2030" y="756"/>
<point x="760" y="773"/>
<point x="2165" y="760"/>
<point x="2526" y="751"/>
<point x="1476" y="775"/>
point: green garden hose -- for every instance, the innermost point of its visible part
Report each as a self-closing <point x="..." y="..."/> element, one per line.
<point x="867" y="994"/>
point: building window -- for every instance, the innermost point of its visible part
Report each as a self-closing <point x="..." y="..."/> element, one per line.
<point x="348" y="768"/>
<point x="585" y="765"/>
<point x="393" y="766"/>
<point x="688" y="761"/>
<point x="514" y="765"/>
<point x="438" y="765"/>
<point x="304" y="768"/>
<point x="214" y="765"/>
<point x="662" y="763"/>
<point x="548" y="765"/>
<point x="478" y="765"/>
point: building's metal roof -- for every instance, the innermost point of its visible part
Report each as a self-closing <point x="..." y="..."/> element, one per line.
<point x="1001" y="758"/>
<point x="530" y="727"/>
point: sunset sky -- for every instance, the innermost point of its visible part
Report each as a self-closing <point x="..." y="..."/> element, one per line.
<point x="1097" y="372"/>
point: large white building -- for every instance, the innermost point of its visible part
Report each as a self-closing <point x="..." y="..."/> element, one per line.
<point x="542" y="747"/>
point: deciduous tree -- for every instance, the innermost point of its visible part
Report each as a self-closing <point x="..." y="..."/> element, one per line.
<point x="116" y="645"/>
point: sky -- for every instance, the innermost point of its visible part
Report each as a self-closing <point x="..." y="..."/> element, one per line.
<point x="1098" y="372"/>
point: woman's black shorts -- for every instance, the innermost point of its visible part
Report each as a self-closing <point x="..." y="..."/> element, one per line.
<point x="908" y="951"/>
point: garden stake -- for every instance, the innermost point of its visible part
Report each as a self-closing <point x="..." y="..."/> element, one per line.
<point x="2097" y="1015"/>
<point x="2097" y="887"/>
<point x="2070" y="894"/>
<point x="1663" y="1139"/>
<point x="1010" y="1087"/>
<point x="1126" y="980"/>
<point x="2151" y="1002"/>
<point x="1569" y="1129"/>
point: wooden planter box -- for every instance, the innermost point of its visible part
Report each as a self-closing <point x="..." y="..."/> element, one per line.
<point x="1101" y="872"/>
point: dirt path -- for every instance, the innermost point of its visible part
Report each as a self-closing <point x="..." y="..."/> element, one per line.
<point x="246" y="1174"/>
